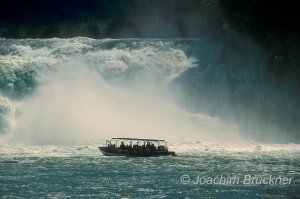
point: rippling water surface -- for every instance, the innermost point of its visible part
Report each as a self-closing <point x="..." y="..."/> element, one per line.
<point x="33" y="171"/>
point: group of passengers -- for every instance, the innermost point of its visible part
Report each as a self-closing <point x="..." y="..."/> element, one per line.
<point x="136" y="146"/>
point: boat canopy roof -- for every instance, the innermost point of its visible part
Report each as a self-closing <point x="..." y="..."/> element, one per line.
<point x="138" y="139"/>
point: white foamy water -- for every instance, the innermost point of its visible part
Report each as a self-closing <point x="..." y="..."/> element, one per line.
<point x="181" y="147"/>
<point x="81" y="90"/>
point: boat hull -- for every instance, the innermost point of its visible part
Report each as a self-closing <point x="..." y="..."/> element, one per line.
<point x="134" y="153"/>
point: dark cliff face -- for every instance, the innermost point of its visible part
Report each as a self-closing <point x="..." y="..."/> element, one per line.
<point x="262" y="20"/>
<point x="259" y="38"/>
<point x="99" y="18"/>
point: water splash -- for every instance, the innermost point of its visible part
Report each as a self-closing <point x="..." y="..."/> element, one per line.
<point x="84" y="89"/>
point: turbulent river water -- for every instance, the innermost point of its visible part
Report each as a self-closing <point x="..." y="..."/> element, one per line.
<point x="80" y="171"/>
<point x="61" y="98"/>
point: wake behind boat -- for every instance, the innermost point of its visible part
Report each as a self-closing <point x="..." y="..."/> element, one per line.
<point x="136" y="147"/>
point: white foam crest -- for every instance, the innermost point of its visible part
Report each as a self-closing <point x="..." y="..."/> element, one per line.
<point x="28" y="57"/>
<point x="185" y="145"/>
<point x="68" y="47"/>
<point x="182" y="147"/>
<point x="27" y="150"/>
<point x="150" y="61"/>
